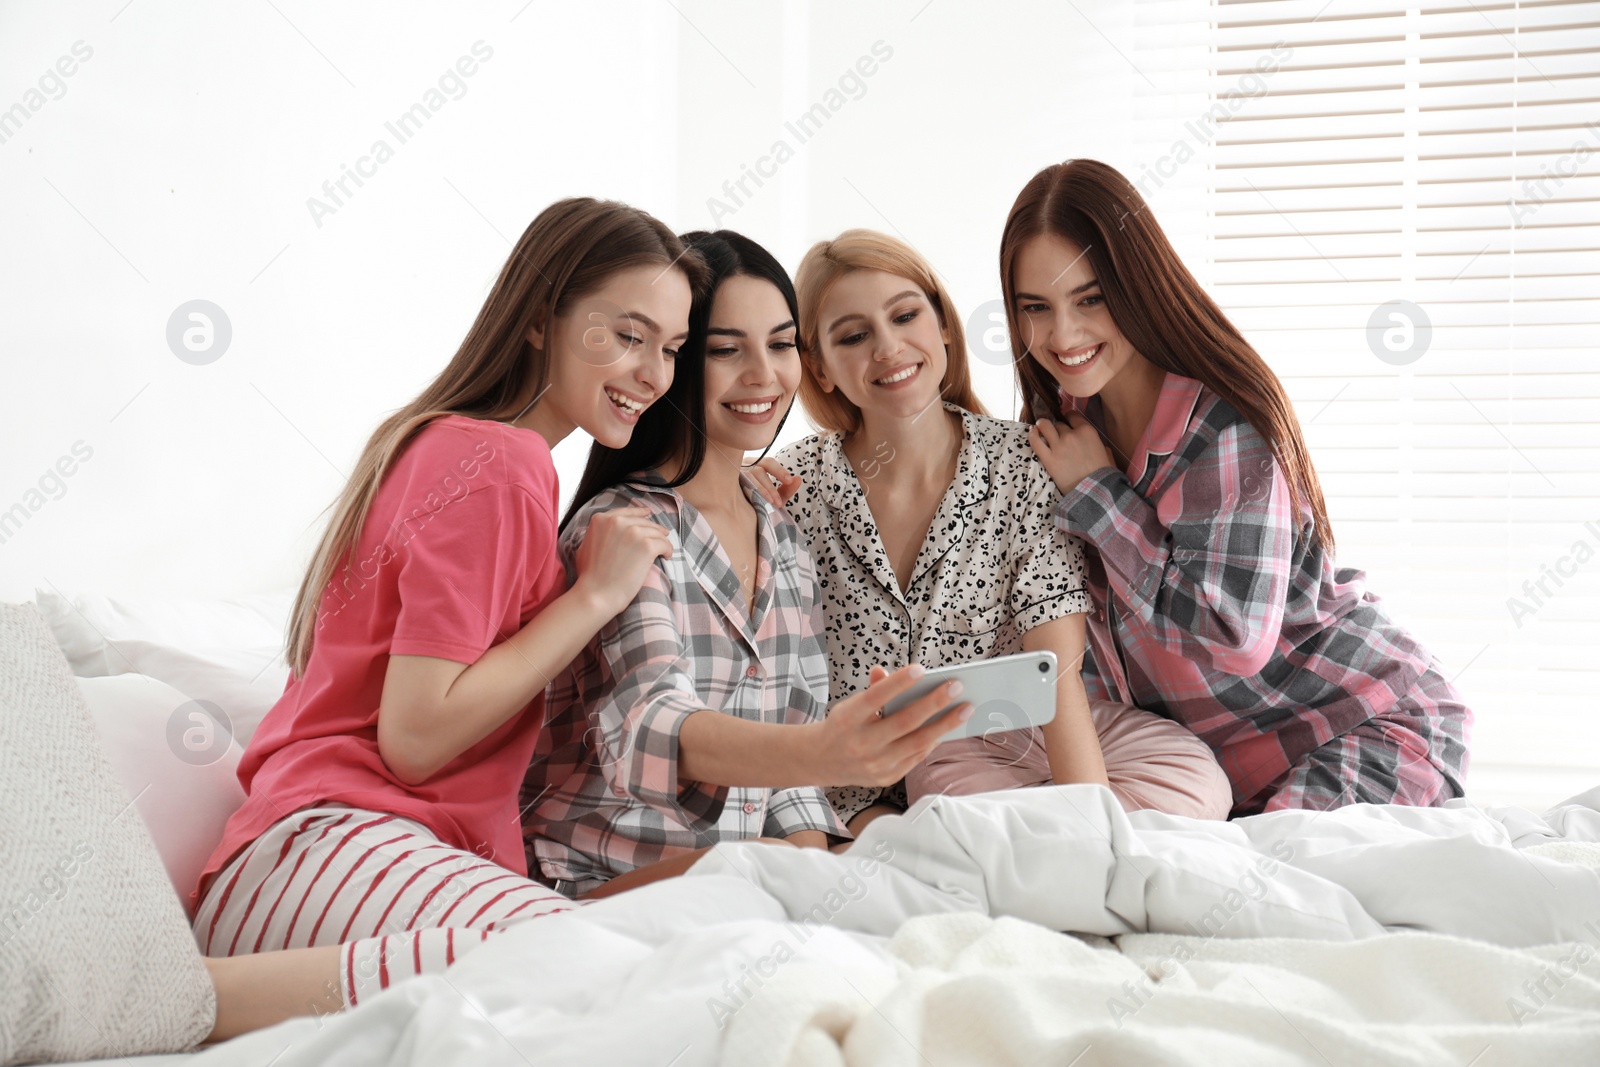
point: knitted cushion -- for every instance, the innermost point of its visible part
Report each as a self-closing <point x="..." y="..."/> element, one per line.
<point x="96" y="959"/>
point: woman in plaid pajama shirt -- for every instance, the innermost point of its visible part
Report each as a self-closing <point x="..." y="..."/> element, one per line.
<point x="1183" y="467"/>
<point x="699" y="714"/>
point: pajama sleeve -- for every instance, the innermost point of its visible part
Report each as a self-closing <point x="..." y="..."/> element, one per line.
<point x="648" y="692"/>
<point x="1208" y="581"/>
<point x="806" y="807"/>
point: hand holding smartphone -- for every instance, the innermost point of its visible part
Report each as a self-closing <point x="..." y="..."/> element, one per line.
<point x="1006" y="693"/>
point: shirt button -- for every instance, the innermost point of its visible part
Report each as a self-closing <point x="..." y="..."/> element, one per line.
<point x="749" y="807"/>
<point x="752" y="672"/>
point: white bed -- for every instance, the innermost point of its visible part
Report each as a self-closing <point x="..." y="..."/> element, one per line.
<point x="1364" y="935"/>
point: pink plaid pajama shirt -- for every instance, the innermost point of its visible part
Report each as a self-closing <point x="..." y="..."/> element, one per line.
<point x="1215" y="609"/>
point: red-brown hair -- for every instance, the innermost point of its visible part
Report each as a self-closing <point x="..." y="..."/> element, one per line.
<point x="1156" y="304"/>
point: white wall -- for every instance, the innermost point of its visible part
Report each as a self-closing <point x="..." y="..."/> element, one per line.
<point x="178" y="165"/>
<point x="176" y="162"/>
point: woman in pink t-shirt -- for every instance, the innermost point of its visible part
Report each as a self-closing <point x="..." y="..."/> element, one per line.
<point x="380" y="835"/>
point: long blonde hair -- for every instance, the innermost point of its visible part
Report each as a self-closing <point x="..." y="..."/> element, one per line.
<point x="854" y="250"/>
<point x="570" y="250"/>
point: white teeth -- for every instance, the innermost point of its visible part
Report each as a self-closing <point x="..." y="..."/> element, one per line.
<point x="752" y="409"/>
<point x="1078" y="361"/>
<point x="899" y="376"/>
<point x="628" y="404"/>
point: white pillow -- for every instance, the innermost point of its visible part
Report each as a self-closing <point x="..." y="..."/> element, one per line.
<point x="86" y="623"/>
<point x="244" y="685"/>
<point x="228" y="652"/>
<point x="96" y="957"/>
<point x="178" y="761"/>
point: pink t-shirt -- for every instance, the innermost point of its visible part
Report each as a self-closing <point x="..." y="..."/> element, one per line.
<point x="458" y="553"/>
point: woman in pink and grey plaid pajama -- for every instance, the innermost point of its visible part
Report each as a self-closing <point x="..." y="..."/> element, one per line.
<point x="1182" y="466"/>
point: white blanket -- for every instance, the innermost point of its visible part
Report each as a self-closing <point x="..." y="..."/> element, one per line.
<point x="933" y="941"/>
<point x="1069" y="858"/>
<point x="968" y="989"/>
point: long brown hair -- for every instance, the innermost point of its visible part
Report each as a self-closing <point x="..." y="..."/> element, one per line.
<point x="674" y="427"/>
<point x="1156" y="304"/>
<point x="570" y="250"/>
<point x="853" y="250"/>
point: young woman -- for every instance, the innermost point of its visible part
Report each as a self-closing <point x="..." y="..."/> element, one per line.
<point x="699" y="714"/>
<point x="932" y="527"/>
<point x="380" y="838"/>
<point x="1181" y="464"/>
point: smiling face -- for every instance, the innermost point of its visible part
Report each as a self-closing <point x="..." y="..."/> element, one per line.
<point x="881" y="344"/>
<point x="752" y="365"/>
<point x="611" y="352"/>
<point x="1062" y="317"/>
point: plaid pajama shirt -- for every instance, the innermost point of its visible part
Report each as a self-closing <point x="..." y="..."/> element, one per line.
<point x="1214" y="610"/>
<point x="604" y="795"/>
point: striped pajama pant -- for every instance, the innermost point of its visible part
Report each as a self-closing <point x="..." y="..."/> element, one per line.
<point x="399" y="902"/>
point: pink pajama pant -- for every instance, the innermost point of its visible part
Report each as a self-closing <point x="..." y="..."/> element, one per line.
<point x="398" y="900"/>
<point x="1151" y="762"/>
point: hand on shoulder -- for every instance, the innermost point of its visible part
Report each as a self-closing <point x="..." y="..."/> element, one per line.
<point x="1070" y="450"/>
<point x="775" y="482"/>
<point x="619" y="547"/>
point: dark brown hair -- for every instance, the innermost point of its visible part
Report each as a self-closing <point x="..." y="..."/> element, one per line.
<point x="1156" y="304"/>
<point x="674" y="427"/>
<point x="570" y="250"/>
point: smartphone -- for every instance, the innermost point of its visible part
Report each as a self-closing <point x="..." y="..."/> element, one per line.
<point x="1006" y="693"/>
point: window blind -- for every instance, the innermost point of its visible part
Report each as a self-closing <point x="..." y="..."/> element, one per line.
<point x="1399" y="205"/>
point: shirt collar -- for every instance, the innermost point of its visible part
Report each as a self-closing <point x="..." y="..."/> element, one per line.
<point x="710" y="569"/>
<point x="972" y="469"/>
<point x="653" y="481"/>
<point x="1168" y="423"/>
<point x="843" y="491"/>
<point x="841" y="487"/>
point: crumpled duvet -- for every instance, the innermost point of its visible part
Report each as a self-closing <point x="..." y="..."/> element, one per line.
<point x="938" y="940"/>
